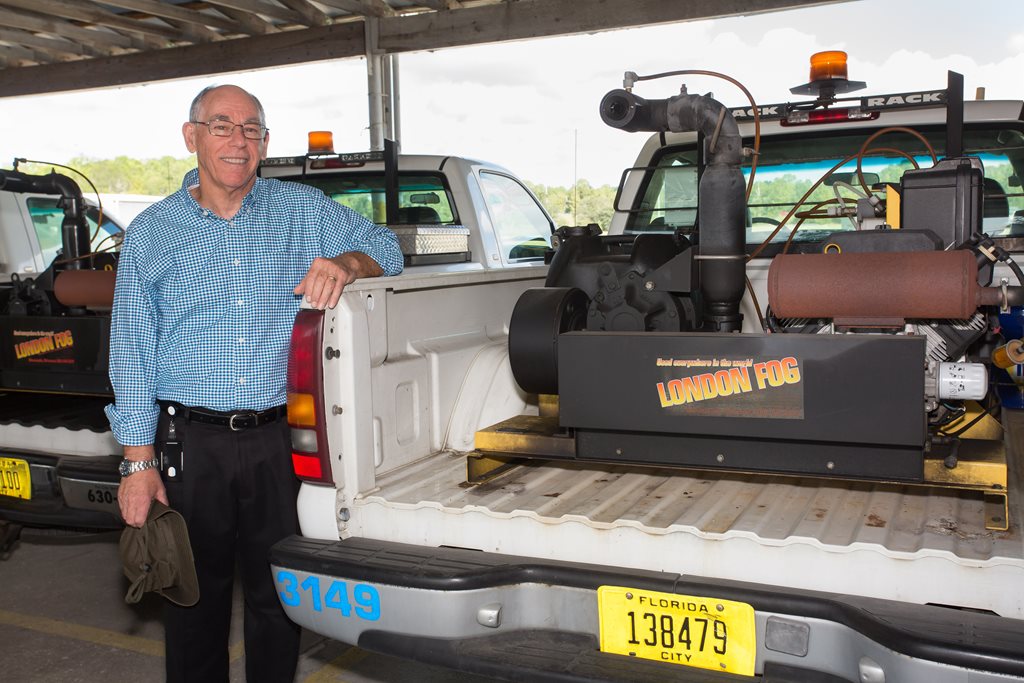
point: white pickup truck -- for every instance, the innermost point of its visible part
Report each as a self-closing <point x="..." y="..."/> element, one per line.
<point x="58" y="458"/>
<point x="828" y="524"/>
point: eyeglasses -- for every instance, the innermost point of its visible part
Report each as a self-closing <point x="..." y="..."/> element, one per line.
<point x="225" y="129"/>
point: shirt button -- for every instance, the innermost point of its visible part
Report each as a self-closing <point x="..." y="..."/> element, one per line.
<point x="237" y="262"/>
<point x="241" y="340"/>
<point x="240" y="302"/>
<point x="241" y="380"/>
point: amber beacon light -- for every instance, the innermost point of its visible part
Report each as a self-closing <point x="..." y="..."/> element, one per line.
<point x="828" y="76"/>
<point x="321" y="142"/>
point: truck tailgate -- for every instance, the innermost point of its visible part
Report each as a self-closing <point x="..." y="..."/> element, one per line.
<point x="906" y="543"/>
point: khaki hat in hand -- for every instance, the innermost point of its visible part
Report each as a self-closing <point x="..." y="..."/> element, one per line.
<point x="158" y="557"/>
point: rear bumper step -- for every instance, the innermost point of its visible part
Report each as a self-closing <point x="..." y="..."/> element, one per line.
<point x="470" y="610"/>
<point x="67" y="491"/>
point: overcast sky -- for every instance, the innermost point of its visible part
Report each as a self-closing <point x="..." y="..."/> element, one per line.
<point x="532" y="105"/>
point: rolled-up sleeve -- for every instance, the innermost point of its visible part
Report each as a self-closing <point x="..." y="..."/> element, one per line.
<point x="133" y="340"/>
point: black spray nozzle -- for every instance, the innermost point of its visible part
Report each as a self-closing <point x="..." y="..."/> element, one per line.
<point x="624" y="110"/>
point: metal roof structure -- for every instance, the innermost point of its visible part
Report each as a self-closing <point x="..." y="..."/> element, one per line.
<point x="61" y="45"/>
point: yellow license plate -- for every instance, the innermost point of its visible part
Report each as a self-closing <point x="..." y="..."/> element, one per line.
<point x="15" y="480"/>
<point x="682" y="629"/>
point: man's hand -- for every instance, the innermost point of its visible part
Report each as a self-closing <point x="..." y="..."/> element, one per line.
<point x="327" y="277"/>
<point x="137" y="491"/>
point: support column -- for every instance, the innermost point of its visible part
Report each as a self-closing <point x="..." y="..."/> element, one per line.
<point x="374" y="84"/>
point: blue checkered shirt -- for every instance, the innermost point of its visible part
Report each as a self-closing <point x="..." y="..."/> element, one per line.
<point x="203" y="307"/>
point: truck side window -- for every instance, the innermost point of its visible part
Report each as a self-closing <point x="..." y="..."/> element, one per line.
<point x="669" y="198"/>
<point x="46" y="220"/>
<point x="523" y="230"/>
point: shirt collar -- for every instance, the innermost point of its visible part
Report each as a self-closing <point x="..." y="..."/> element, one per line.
<point x="191" y="180"/>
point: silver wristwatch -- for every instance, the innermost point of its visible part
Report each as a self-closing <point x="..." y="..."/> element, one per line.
<point x="128" y="467"/>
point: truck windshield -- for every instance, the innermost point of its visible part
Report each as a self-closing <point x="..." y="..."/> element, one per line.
<point x="789" y="165"/>
<point x="47" y="218"/>
<point x="422" y="198"/>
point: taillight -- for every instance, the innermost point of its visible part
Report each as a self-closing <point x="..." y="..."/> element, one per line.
<point x="310" y="458"/>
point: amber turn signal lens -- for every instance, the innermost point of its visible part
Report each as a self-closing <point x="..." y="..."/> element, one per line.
<point x="301" y="410"/>
<point x="826" y="65"/>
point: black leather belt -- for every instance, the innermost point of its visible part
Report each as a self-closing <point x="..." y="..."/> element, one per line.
<point x="236" y="420"/>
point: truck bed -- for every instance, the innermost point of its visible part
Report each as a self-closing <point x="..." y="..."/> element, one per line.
<point x="915" y="544"/>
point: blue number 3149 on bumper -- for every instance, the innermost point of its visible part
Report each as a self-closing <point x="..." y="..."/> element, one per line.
<point x="360" y="600"/>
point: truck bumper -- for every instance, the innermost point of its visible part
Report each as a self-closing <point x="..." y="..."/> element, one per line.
<point x="527" y="619"/>
<point x="67" y="491"/>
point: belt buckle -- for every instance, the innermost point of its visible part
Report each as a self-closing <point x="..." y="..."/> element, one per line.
<point x="241" y="415"/>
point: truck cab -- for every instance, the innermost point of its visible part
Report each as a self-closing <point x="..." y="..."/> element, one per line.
<point x="452" y="213"/>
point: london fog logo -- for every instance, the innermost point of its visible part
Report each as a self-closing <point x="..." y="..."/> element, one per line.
<point x="739" y="387"/>
<point x="42" y="344"/>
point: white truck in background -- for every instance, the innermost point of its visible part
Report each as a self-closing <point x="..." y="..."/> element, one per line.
<point x="646" y="543"/>
<point x="58" y="459"/>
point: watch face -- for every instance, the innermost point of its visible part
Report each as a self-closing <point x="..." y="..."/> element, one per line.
<point x="132" y="466"/>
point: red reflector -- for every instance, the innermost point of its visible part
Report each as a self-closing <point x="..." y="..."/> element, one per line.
<point x="306" y="466"/>
<point x="806" y="118"/>
<point x="335" y="163"/>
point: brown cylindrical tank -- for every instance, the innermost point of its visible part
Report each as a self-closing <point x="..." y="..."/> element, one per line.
<point x="924" y="284"/>
<point x="89" y="288"/>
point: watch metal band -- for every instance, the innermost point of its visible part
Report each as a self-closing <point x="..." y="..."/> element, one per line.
<point x="128" y="467"/>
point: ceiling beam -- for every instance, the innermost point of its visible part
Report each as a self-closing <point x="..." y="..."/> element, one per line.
<point x="436" y="4"/>
<point x="54" y="46"/>
<point x="517" y="20"/>
<point x="92" y="15"/>
<point x="335" y="41"/>
<point x="539" y="18"/>
<point x="267" y="9"/>
<point x="190" y="16"/>
<point x="311" y="14"/>
<point x="250" y="23"/>
<point x="362" y="8"/>
<point x="13" y="53"/>
<point x="101" y="40"/>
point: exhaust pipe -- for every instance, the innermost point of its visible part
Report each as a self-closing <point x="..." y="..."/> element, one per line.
<point x="722" y="195"/>
<point x="74" y="230"/>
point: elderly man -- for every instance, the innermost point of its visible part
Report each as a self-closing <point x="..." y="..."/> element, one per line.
<point x="208" y="285"/>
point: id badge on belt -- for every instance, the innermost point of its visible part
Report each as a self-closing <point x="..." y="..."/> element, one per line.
<point x="172" y="452"/>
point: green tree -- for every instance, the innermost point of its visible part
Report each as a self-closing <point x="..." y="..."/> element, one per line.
<point x="124" y="175"/>
<point x="579" y="205"/>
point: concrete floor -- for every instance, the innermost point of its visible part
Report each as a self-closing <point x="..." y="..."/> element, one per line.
<point x="63" y="618"/>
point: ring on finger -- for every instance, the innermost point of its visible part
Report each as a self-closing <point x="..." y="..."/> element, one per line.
<point x="331" y="277"/>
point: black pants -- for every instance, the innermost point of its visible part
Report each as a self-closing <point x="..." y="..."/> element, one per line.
<point x="237" y="493"/>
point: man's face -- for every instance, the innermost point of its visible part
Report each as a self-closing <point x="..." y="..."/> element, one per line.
<point x="226" y="163"/>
